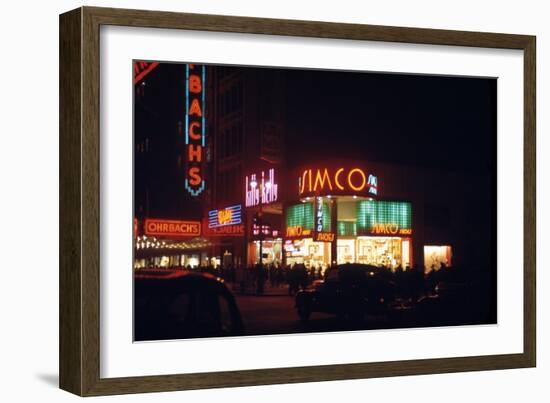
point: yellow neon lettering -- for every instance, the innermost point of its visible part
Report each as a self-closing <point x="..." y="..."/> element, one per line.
<point x="322" y="179"/>
<point x="336" y="181"/>
<point x="350" y="183"/>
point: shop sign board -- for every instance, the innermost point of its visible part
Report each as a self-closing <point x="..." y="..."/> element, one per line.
<point x="195" y="128"/>
<point x="172" y="228"/>
<point x="226" y="230"/>
<point x="297" y="231"/>
<point x="337" y="181"/>
<point x="389" y="229"/>
<point x="324" y="237"/>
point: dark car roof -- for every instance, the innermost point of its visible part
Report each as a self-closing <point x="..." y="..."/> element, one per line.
<point x="357" y="272"/>
<point x="178" y="278"/>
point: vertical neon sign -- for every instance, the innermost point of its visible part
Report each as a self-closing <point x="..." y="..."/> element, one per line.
<point x="319" y="215"/>
<point x="195" y="128"/>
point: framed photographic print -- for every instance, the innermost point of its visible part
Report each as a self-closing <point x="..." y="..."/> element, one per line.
<point x="237" y="192"/>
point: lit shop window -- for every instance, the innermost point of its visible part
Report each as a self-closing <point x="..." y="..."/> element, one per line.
<point x="436" y="255"/>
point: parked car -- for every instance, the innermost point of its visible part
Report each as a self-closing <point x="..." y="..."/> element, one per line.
<point x="456" y="302"/>
<point x="349" y="290"/>
<point x="183" y="304"/>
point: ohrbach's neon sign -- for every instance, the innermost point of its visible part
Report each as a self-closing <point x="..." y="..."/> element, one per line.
<point x="176" y="228"/>
<point x="325" y="181"/>
<point x="195" y="139"/>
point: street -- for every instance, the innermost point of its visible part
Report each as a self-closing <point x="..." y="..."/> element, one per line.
<point x="275" y="313"/>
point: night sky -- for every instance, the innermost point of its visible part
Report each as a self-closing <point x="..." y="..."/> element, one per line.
<point x="445" y="123"/>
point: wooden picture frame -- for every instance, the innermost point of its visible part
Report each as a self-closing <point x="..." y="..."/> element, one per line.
<point x="79" y="201"/>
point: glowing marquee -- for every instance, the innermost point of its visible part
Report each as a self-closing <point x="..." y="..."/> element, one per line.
<point x="326" y="181"/>
<point x="261" y="189"/>
<point x="223" y="217"/>
<point x="195" y="127"/>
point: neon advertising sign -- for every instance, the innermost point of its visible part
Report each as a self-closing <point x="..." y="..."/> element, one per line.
<point x="225" y="222"/>
<point x="261" y="189"/>
<point x="319" y="215"/>
<point x="223" y="217"/>
<point x="195" y="128"/>
<point x="348" y="181"/>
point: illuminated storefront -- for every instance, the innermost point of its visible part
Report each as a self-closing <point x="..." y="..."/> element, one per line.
<point x="169" y="244"/>
<point x="368" y="231"/>
<point x="271" y="251"/>
<point x="436" y="255"/>
<point x="338" y="221"/>
<point x="267" y="242"/>
<point x="303" y="221"/>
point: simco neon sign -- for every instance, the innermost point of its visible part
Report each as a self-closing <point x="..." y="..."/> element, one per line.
<point x="326" y="181"/>
<point x="261" y="189"/>
<point x="195" y="128"/>
<point x="389" y="229"/>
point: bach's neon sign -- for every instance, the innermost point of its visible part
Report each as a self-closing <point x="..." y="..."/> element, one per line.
<point x="195" y="139"/>
<point x="326" y="181"/>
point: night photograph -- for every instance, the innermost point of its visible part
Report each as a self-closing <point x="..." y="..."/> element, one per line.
<point x="277" y="201"/>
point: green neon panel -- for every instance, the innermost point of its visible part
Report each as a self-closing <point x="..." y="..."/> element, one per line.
<point x="300" y="215"/>
<point x="347" y="228"/>
<point x="326" y="217"/>
<point x="372" y="212"/>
